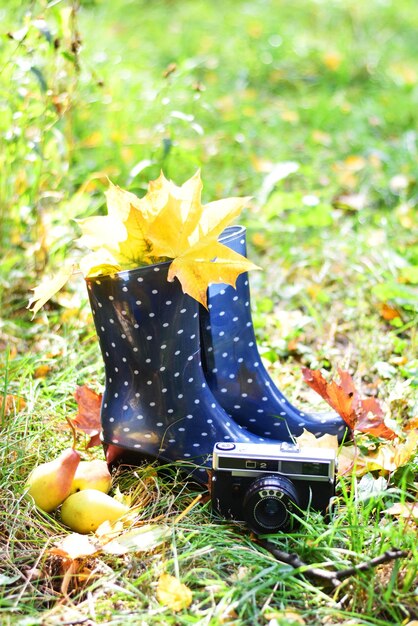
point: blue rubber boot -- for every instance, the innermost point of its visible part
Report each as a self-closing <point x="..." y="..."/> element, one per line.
<point x="157" y="403"/>
<point x="234" y="370"/>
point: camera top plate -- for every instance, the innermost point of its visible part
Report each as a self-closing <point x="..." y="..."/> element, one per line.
<point x="243" y="459"/>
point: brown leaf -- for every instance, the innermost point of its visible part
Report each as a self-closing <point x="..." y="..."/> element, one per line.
<point x="42" y="371"/>
<point x="10" y="404"/>
<point x="388" y="312"/>
<point x="365" y="415"/>
<point x="71" y="552"/>
<point x="338" y="397"/>
<point x="412" y="424"/>
<point x="88" y="416"/>
<point x="406" y="509"/>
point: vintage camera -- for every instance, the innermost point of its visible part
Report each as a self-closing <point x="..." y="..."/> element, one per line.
<point x="265" y="484"/>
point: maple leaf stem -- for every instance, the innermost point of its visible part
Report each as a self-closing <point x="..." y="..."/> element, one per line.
<point x="73" y="429"/>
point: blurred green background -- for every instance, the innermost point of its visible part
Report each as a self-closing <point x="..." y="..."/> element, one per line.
<point x="240" y="89"/>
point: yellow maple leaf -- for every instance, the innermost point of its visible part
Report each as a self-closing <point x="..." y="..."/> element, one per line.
<point x="180" y="220"/>
<point x="122" y="233"/>
<point x="207" y="262"/>
<point x="135" y="247"/>
<point x="172" y="593"/>
<point x="219" y="214"/>
<point x="179" y="213"/>
<point x="136" y="215"/>
<point x="169" y="222"/>
<point x="187" y="231"/>
<point x="101" y="232"/>
<point x="99" y="263"/>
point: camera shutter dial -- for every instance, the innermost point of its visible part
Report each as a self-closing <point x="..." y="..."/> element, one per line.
<point x="269" y="502"/>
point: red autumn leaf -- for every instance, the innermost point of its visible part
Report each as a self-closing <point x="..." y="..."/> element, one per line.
<point x="362" y="414"/>
<point x="88" y="416"/>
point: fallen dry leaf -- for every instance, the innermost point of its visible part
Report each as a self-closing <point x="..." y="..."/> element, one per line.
<point x="75" y="546"/>
<point x="355" y="162"/>
<point x="71" y="552"/>
<point x="412" y="423"/>
<point x="88" y="417"/>
<point x="405" y="509"/>
<point x="11" y="404"/>
<point x="387" y="458"/>
<point x="142" y="539"/>
<point x="172" y="593"/>
<point x="350" y="460"/>
<point x="288" y="616"/>
<point x="109" y="530"/>
<point x="332" y="60"/>
<point x="351" y="202"/>
<point x="365" y="415"/>
<point x="42" y="371"/>
<point x="308" y="440"/>
<point x="388" y="312"/>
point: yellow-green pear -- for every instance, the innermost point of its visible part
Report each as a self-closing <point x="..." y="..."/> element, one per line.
<point x="92" y="475"/>
<point x="49" y="484"/>
<point x="85" y="510"/>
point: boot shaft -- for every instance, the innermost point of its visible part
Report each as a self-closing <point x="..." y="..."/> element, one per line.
<point x="234" y="368"/>
<point x="147" y="326"/>
<point x="156" y="401"/>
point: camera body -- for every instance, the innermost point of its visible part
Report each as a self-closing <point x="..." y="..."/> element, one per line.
<point x="263" y="484"/>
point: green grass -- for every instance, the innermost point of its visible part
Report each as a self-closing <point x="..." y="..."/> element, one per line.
<point x="332" y="86"/>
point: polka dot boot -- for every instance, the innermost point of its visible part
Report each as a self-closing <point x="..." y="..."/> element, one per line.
<point x="156" y="403"/>
<point x="234" y="370"/>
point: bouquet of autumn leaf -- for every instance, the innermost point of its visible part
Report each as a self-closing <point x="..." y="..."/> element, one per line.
<point x="168" y="223"/>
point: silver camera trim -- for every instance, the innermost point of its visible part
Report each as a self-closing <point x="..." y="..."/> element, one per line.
<point x="275" y="452"/>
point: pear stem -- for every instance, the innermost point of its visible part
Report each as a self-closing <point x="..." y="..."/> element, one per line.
<point x="71" y="425"/>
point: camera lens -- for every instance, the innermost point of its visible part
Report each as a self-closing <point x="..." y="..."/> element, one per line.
<point x="268" y="504"/>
